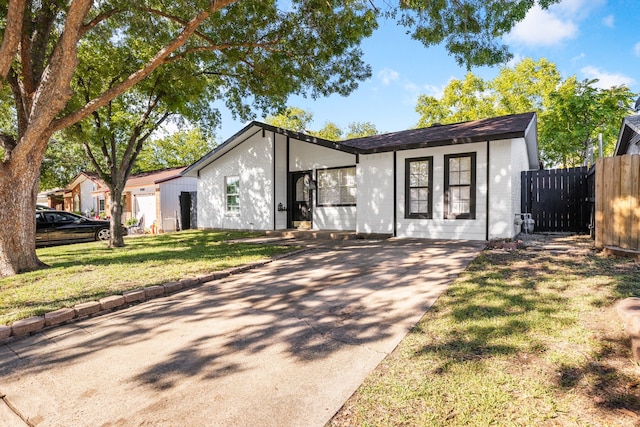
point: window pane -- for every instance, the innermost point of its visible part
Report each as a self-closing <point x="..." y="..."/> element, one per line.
<point x="465" y="163"/>
<point x="232" y="185"/>
<point x="454" y="164"/>
<point x="337" y="186"/>
<point x="465" y="178"/>
<point x="454" y="178"/>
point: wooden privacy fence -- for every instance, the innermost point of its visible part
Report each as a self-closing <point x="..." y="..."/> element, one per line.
<point x="618" y="202"/>
<point x="557" y="199"/>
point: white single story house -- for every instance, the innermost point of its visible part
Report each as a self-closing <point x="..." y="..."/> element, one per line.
<point x="459" y="181"/>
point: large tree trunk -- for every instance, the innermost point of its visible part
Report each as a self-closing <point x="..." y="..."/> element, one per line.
<point x="117" y="239"/>
<point x="18" y="193"/>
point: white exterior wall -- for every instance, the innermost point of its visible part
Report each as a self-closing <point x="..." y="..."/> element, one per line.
<point x="375" y="193"/>
<point x="170" y="201"/>
<point x="304" y="156"/>
<point x="504" y="191"/>
<point x="252" y="162"/>
<point x="438" y="227"/>
<point x="519" y="163"/>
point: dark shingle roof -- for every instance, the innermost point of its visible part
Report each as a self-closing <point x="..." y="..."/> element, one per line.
<point x="504" y="127"/>
<point x="629" y="134"/>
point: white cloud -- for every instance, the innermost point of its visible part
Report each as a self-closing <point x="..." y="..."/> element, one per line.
<point x="517" y="58"/>
<point x="435" y="91"/>
<point x="578" y="57"/>
<point x="543" y="28"/>
<point x="636" y="49"/>
<point x="608" y="21"/>
<point x="387" y="75"/>
<point x="577" y="9"/>
<point x="606" y="79"/>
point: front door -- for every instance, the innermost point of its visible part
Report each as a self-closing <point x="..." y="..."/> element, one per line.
<point x="300" y="200"/>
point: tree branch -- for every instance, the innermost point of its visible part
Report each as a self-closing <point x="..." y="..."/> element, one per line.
<point x="97" y="20"/>
<point x="159" y="59"/>
<point x="11" y="37"/>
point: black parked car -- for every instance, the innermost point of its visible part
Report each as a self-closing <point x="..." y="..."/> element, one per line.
<point x="53" y="227"/>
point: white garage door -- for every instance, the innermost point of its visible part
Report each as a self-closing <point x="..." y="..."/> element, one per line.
<point x="146" y="209"/>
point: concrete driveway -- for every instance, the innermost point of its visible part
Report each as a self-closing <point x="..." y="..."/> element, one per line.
<point x="285" y="344"/>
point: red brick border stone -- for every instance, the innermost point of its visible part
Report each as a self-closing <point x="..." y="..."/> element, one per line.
<point x="59" y="316"/>
<point x="133" y="296"/>
<point x="107" y="303"/>
<point x="26" y="326"/>
<point x="5" y="332"/>
<point x="154" y="291"/>
<point x="87" y="308"/>
<point x="172" y="287"/>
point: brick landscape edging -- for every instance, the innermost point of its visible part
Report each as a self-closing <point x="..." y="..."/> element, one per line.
<point x="25" y="327"/>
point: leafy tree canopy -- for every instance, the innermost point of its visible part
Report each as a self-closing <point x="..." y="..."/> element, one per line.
<point x="299" y="120"/>
<point x="571" y="114"/>
<point x="181" y="148"/>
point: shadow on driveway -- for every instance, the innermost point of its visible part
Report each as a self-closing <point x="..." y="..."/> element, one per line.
<point x="283" y="344"/>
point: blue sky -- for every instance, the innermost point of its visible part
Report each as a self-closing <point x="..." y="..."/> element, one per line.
<point x="587" y="38"/>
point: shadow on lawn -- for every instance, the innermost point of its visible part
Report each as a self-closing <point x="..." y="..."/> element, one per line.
<point x="174" y="247"/>
<point x="510" y="304"/>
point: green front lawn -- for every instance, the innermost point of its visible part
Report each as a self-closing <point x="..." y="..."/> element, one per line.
<point x="88" y="271"/>
<point x="520" y="339"/>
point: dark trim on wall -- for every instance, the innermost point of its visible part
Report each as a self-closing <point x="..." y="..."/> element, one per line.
<point x="407" y="189"/>
<point x="488" y="181"/>
<point x="273" y="192"/>
<point x="287" y="196"/>
<point x="395" y="194"/>
<point x="473" y="186"/>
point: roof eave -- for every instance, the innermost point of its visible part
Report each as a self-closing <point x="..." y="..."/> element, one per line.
<point x="444" y="142"/>
<point x="237" y="139"/>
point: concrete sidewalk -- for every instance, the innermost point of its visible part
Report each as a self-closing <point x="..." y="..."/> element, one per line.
<point x="285" y="344"/>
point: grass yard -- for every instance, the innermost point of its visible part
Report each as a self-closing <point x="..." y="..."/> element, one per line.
<point x="88" y="271"/>
<point x="522" y="338"/>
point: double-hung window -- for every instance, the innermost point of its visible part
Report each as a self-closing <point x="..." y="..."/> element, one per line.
<point x="418" y="188"/>
<point x="337" y="187"/>
<point x="460" y="186"/>
<point x="232" y="194"/>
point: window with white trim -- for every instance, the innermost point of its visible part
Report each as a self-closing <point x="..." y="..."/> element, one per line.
<point x="232" y="193"/>
<point x="337" y="187"/>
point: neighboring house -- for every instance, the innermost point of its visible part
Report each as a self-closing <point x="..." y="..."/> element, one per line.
<point x="154" y="198"/>
<point x="53" y="198"/>
<point x="629" y="136"/>
<point x="82" y="194"/>
<point x="150" y="197"/>
<point x="459" y="181"/>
